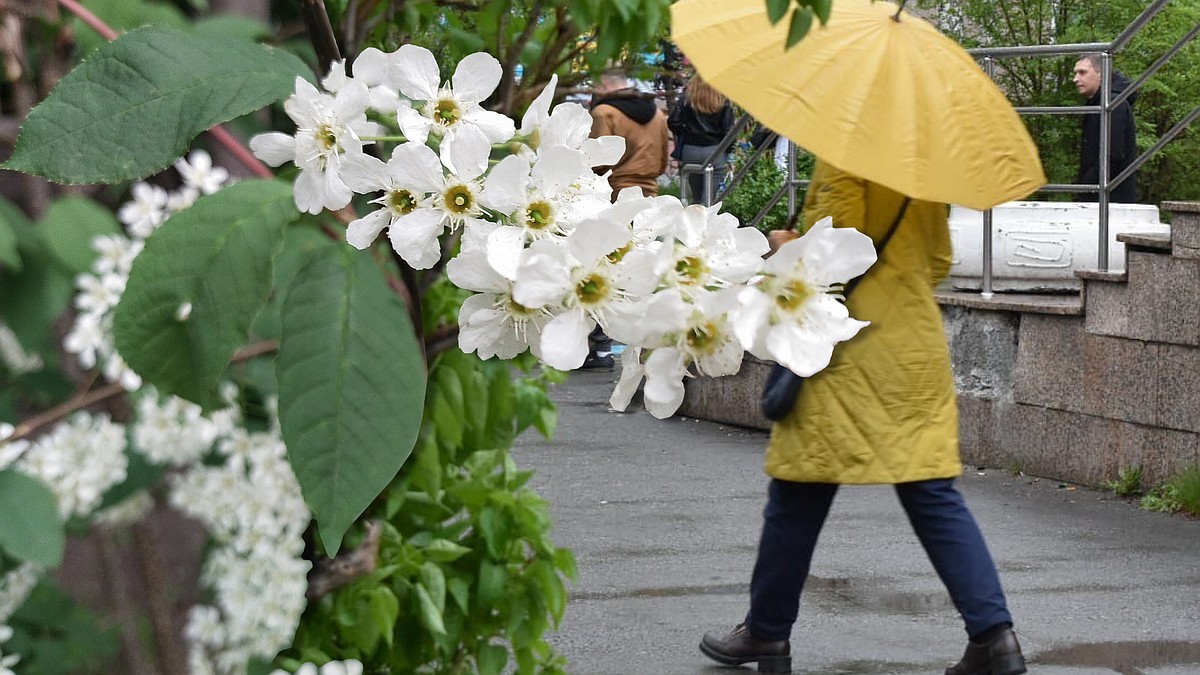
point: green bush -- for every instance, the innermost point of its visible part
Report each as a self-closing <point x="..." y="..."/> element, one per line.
<point x="748" y="198"/>
<point x="1181" y="494"/>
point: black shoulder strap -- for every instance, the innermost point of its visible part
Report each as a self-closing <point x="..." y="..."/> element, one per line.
<point x="850" y="286"/>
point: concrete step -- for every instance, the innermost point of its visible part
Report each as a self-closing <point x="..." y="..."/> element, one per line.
<point x="731" y="400"/>
<point x="1185" y="228"/>
<point x="1063" y="367"/>
<point x="1107" y="276"/>
<point x="1145" y="242"/>
<point x="1160" y="301"/>
<point x="1057" y="304"/>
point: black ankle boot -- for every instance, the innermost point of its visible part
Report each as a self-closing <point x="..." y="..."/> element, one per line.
<point x="999" y="656"/>
<point x="739" y="646"/>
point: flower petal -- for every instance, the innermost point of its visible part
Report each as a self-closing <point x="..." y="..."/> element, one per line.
<point x="541" y="280"/>
<point x="476" y="77"/>
<point x="565" y="339"/>
<point x="665" y="370"/>
<point x="604" y="151"/>
<point x="470" y="270"/>
<point x="507" y="186"/>
<point x="416" y="167"/>
<point x="417" y="75"/>
<point x="413" y="235"/>
<point x="362" y="233"/>
<point x="504" y="250"/>
<point x="632" y="373"/>
<point x="592" y="240"/>
<point x="465" y="152"/>
<point x="539" y="110"/>
<point x="496" y="127"/>
<point x="364" y="174"/>
<point x="274" y="148"/>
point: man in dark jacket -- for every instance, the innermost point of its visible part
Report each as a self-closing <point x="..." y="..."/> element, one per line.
<point x="1122" y="149"/>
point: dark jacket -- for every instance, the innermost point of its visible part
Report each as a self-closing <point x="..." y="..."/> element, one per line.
<point x="1122" y="150"/>
<point x="692" y="127"/>
<point x="636" y="118"/>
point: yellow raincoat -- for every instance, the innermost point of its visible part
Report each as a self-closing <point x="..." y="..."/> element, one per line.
<point x="884" y="411"/>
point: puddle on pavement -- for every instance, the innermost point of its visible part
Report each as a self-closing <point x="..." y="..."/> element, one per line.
<point x="1126" y="658"/>
<point x="871" y="596"/>
<point x="668" y="592"/>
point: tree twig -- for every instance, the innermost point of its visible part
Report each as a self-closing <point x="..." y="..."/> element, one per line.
<point x="442" y="339"/>
<point x="326" y="576"/>
<point x="320" y="33"/>
<point x="88" y="399"/>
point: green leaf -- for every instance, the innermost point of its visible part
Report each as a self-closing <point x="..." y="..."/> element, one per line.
<point x="384" y="608"/>
<point x="434" y="581"/>
<point x="215" y="257"/>
<point x="491" y="583"/>
<point x="776" y="9"/>
<point x="491" y="659"/>
<point x="822" y="9"/>
<point x="30" y="529"/>
<point x="10" y="258"/>
<point x="460" y="591"/>
<point x="801" y="21"/>
<point x="70" y="225"/>
<point x="444" y="550"/>
<point x="351" y="386"/>
<point x="135" y="105"/>
<point x="32" y="301"/>
<point x="431" y="616"/>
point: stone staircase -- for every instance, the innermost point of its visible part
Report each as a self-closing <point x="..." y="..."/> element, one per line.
<point x="1072" y="387"/>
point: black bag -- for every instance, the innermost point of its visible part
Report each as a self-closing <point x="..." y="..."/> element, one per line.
<point x="782" y="387"/>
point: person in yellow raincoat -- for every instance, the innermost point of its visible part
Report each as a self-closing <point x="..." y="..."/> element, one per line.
<point x="883" y="412"/>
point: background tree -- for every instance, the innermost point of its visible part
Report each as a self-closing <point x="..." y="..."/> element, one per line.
<point x="1175" y="172"/>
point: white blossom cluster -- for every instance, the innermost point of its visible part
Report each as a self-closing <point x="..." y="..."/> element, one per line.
<point x="547" y="255"/>
<point x="348" y="667"/>
<point x="250" y="503"/>
<point x="175" y="432"/>
<point x="79" y="460"/>
<point x="7" y="662"/>
<point x="15" y="587"/>
<point x="90" y="337"/>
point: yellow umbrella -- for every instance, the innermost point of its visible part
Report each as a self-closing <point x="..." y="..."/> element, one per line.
<point x="895" y="102"/>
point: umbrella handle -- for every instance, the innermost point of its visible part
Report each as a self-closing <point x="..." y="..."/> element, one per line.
<point x="896" y="16"/>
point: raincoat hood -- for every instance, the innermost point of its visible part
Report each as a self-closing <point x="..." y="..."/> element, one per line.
<point x="634" y="104"/>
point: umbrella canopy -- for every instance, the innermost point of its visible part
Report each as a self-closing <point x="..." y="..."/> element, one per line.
<point x="895" y="102"/>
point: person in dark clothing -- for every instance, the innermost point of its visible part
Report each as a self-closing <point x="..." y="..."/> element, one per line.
<point x="700" y="121"/>
<point x="1123" y="147"/>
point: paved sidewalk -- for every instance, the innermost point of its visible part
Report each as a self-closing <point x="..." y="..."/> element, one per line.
<point x="663" y="517"/>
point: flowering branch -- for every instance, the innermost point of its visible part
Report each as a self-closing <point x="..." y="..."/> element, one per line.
<point x="88" y="399"/>
<point x="320" y="33"/>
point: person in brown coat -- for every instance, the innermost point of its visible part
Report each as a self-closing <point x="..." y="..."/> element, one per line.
<point x="620" y="110"/>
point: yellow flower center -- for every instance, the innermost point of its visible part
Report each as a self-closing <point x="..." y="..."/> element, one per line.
<point x="401" y="201"/>
<point x="592" y="290"/>
<point x="539" y="216"/>
<point x="616" y="256"/>
<point x="459" y="200"/>
<point x="691" y="270"/>
<point x="326" y="138"/>
<point x="793" y="295"/>
<point x="517" y="309"/>
<point x="702" y="339"/>
<point x="447" y="112"/>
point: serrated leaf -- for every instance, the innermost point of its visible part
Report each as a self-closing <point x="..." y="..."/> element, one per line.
<point x="351" y="386"/>
<point x="777" y="9"/>
<point x="30" y="529"/>
<point x="216" y="259"/>
<point x="801" y="21"/>
<point x="444" y="550"/>
<point x="135" y="105"/>
<point x="69" y="227"/>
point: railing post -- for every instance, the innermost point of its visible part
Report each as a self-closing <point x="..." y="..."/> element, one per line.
<point x="989" y="67"/>
<point x="1103" y="162"/>
<point x="791" y="180"/>
<point x="708" y="185"/>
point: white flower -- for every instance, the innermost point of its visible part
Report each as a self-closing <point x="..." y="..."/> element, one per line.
<point x="181" y="199"/>
<point x="87" y="339"/>
<point x="146" y="211"/>
<point x="409" y="181"/>
<point x="710" y="250"/>
<point x="492" y="323"/>
<point x="452" y="111"/>
<point x="546" y="198"/>
<point x="13" y="354"/>
<point x="198" y="172"/>
<point x="678" y="334"/>
<point x="7" y="662"/>
<point x="116" y="254"/>
<point x="79" y="460"/>
<point x="328" y="130"/>
<point x="591" y="288"/>
<point x="98" y="294"/>
<point x="173" y="431"/>
<point x="791" y="316"/>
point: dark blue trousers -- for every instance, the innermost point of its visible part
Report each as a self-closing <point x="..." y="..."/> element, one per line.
<point x="792" y="522"/>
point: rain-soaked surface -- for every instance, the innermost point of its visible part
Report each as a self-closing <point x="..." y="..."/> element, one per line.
<point x="663" y="518"/>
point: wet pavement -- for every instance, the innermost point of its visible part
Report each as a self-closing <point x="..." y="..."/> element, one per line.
<point x="663" y="517"/>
